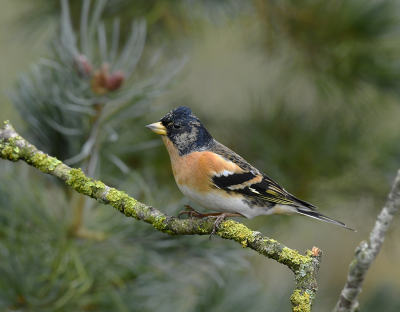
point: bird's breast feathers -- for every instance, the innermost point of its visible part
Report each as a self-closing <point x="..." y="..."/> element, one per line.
<point x="197" y="169"/>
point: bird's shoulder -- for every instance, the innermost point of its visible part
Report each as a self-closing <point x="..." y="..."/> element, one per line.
<point x="229" y="155"/>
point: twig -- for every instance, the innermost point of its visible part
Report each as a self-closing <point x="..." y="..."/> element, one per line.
<point x="13" y="147"/>
<point x="366" y="253"/>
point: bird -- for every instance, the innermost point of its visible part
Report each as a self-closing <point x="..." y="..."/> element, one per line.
<point x="216" y="178"/>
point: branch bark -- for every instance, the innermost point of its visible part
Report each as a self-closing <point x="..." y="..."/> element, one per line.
<point x="366" y="253"/>
<point x="305" y="268"/>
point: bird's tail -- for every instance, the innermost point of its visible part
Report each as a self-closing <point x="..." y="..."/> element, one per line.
<point x="318" y="216"/>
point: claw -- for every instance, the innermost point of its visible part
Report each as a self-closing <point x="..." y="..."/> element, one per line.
<point x="212" y="233"/>
<point x="181" y="213"/>
<point x="217" y="222"/>
<point x="190" y="212"/>
<point x="218" y="216"/>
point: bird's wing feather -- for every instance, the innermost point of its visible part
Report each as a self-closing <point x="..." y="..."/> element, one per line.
<point x="255" y="185"/>
<point x="251" y="182"/>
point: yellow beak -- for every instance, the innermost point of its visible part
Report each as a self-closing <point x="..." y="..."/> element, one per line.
<point x="158" y="128"/>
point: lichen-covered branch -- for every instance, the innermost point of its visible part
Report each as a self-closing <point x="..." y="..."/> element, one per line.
<point x="13" y="147"/>
<point x="366" y="253"/>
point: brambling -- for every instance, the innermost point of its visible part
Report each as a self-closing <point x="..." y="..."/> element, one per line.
<point x="216" y="178"/>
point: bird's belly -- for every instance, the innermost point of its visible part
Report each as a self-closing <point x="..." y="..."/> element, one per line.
<point x="231" y="203"/>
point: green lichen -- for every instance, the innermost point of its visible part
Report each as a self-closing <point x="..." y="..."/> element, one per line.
<point x="114" y="195"/>
<point x="201" y="230"/>
<point x="309" y="253"/>
<point x="237" y="232"/>
<point x="9" y="150"/>
<point x="160" y="224"/>
<point x="353" y="264"/>
<point x="83" y="184"/>
<point x="312" y="295"/>
<point x="290" y="255"/>
<point x="301" y="302"/>
<point x="122" y="202"/>
<point x="44" y="162"/>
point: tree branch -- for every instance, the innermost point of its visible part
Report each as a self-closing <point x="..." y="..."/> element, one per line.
<point x="13" y="147"/>
<point x="366" y="253"/>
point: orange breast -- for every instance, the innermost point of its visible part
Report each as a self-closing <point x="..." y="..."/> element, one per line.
<point x="196" y="170"/>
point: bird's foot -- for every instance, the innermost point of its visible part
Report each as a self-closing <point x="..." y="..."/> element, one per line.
<point x="193" y="213"/>
<point x="190" y="212"/>
<point x="219" y="218"/>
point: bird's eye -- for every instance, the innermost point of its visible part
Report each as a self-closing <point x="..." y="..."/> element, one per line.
<point x="177" y="126"/>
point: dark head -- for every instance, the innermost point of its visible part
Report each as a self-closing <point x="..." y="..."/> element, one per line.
<point x="184" y="130"/>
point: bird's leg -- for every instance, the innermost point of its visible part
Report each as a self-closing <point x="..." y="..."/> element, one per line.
<point x="193" y="213"/>
<point x="221" y="218"/>
<point x="218" y="216"/>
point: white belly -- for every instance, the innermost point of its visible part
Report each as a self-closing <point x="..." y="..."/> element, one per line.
<point x="233" y="204"/>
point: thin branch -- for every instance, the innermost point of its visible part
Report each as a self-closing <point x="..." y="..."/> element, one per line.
<point x="366" y="253"/>
<point x="13" y="147"/>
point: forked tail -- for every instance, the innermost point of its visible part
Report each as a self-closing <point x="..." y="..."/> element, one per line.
<point x="318" y="216"/>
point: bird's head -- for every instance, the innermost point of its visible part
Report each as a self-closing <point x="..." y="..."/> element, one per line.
<point x="184" y="130"/>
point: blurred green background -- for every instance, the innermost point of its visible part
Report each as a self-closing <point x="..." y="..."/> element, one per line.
<point x="308" y="92"/>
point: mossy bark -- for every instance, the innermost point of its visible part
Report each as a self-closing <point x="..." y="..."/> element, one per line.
<point x="13" y="147"/>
